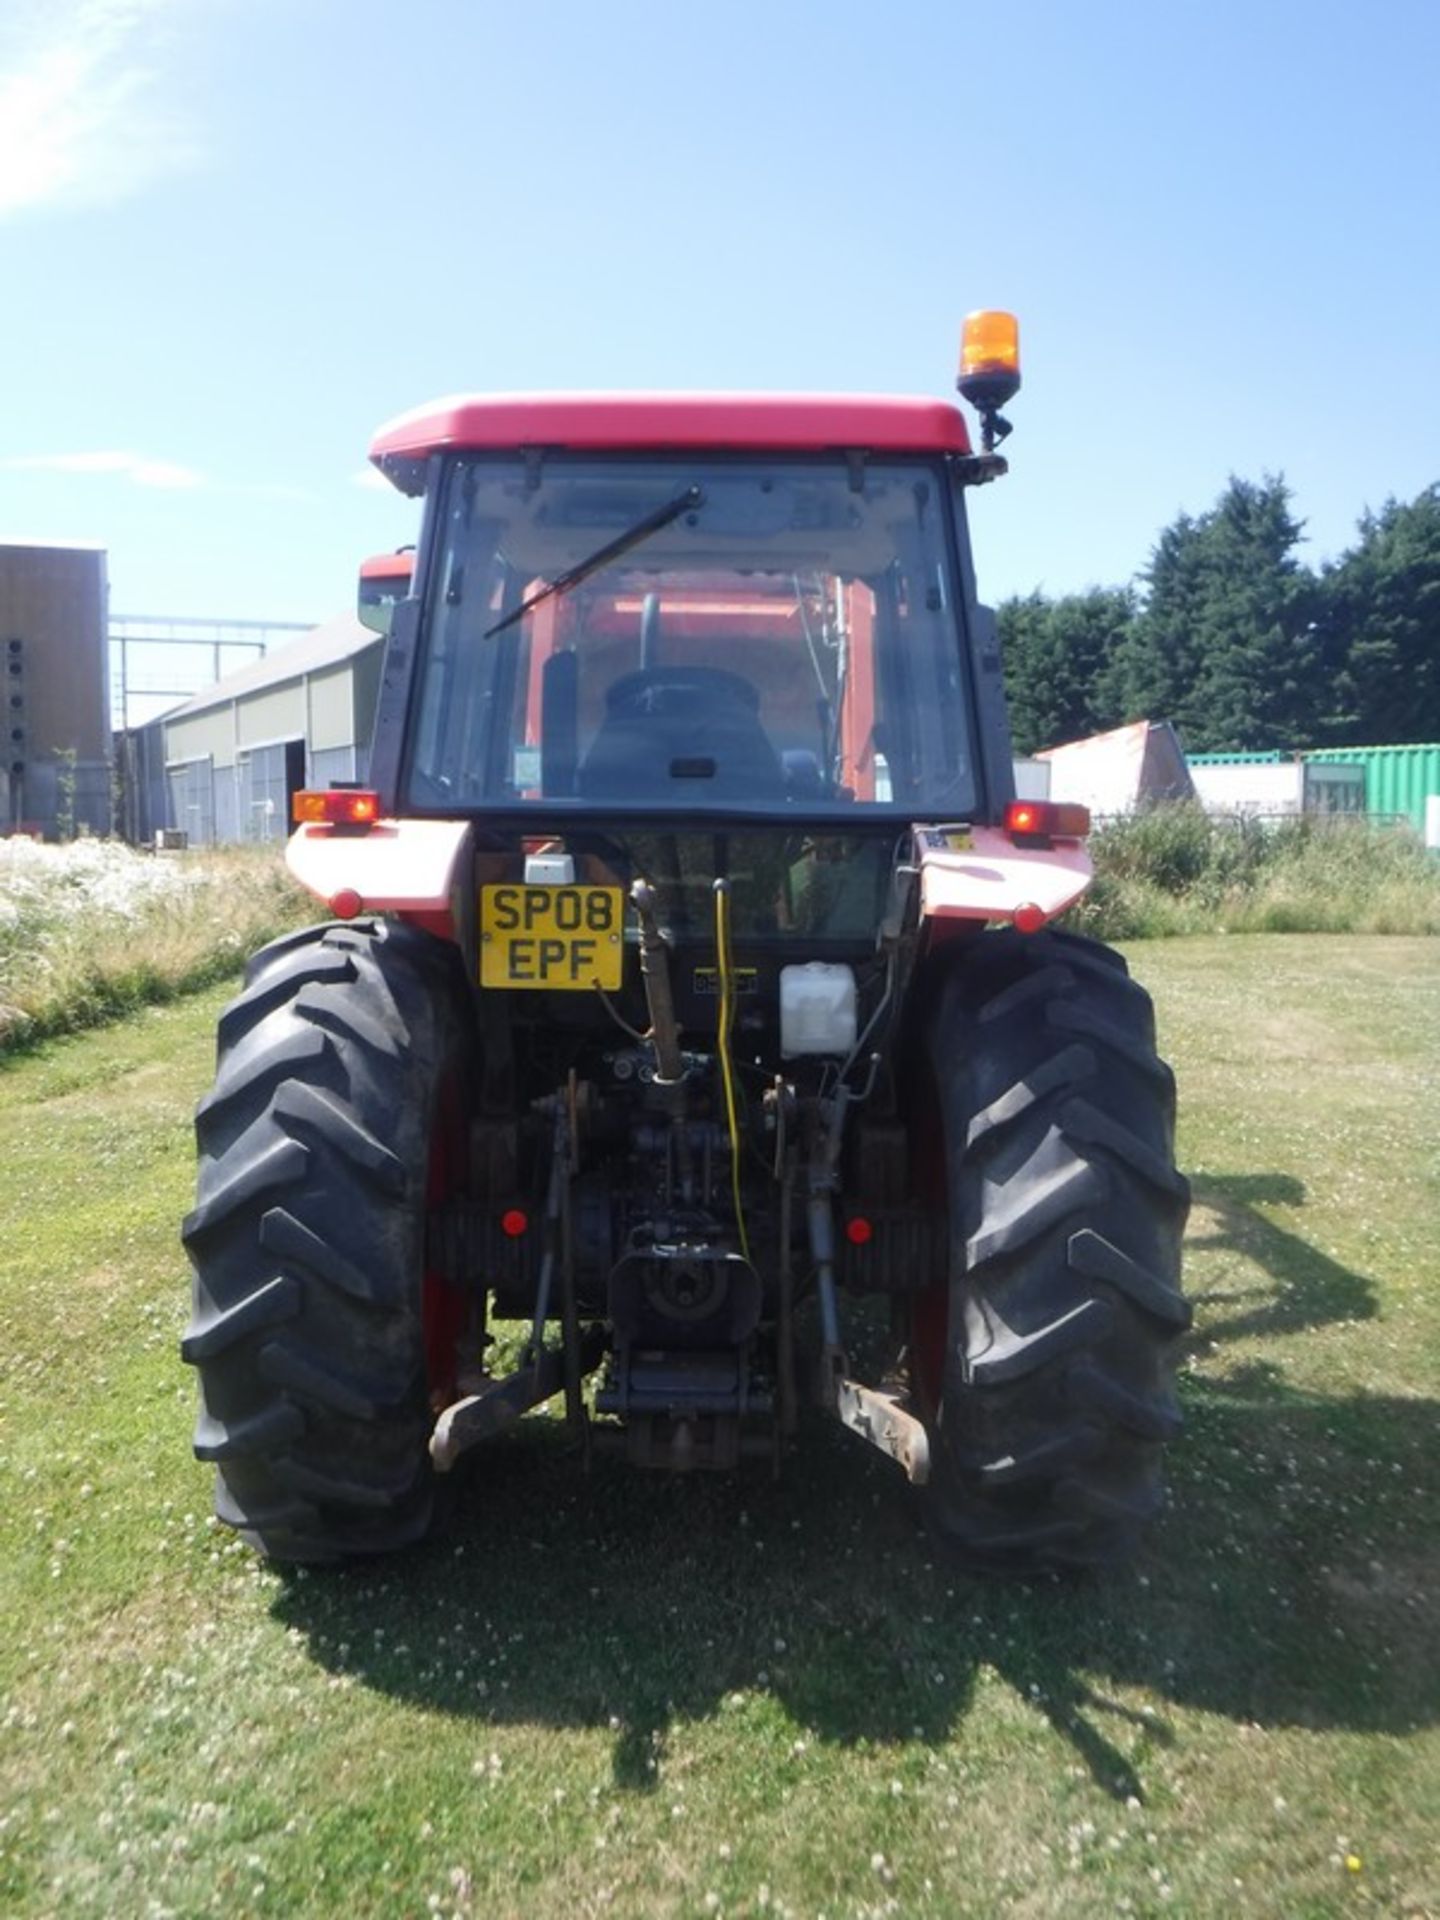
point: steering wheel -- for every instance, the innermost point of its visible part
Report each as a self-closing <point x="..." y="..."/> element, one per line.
<point x="646" y="689"/>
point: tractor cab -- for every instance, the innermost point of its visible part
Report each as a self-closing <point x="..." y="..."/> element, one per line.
<point x="724" y="611"/>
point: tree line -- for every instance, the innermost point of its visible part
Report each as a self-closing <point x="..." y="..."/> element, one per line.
<point x="1230" y="636"/>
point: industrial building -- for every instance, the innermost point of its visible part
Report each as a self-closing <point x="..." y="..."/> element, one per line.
<point x="232" y="757"/>
<point x="56" y="714"/>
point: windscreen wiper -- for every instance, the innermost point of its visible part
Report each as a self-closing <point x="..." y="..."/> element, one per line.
<point x="612" y="550"/>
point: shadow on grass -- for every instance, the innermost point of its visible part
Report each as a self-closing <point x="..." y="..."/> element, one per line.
<point x="1291" y="1587"/>
<point x="1310" y="1289"/>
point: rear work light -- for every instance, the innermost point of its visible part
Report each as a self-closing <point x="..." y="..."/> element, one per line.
<point x="1047" y="820"/>
<point x="336" y="807"/>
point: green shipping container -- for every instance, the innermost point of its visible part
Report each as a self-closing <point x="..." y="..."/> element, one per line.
<point x="1398" y="780"/>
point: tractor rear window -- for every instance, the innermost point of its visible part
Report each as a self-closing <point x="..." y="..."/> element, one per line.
<point x="679" y="634"/>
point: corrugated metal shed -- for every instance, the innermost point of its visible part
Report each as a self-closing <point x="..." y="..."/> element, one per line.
<point x="1398" y="780"/>
<point x="235" y="754"/>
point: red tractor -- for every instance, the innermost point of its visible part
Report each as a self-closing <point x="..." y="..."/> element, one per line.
<point x="384" y="582"/>
<point x="691" y="976"/>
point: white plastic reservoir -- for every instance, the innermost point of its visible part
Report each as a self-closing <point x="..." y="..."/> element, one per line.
<point x="817" y="1009"/>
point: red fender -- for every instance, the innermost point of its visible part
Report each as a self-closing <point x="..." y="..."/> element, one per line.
<point x="405" y="867"/>
<point x="978" y="873"/>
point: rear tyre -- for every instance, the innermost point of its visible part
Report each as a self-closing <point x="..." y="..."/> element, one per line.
<point x="322" y="1146"/>
<point x="1044" y="1365"/>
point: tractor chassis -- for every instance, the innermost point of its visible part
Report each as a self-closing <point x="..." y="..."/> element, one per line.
<point x="681" y="1411"/>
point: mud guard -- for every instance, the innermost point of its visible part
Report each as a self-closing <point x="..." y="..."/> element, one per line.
<point x="405" y="867"/>
<point x="978" y="873"/>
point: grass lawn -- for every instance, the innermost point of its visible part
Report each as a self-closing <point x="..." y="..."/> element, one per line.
<point x="627" y="1696"/>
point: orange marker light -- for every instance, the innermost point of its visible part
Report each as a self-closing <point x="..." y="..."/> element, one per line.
<point x="1047" y="819"/>
<point x="336" y="807"/>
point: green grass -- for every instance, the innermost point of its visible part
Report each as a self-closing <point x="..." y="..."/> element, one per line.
<point x="628" y="1696"/>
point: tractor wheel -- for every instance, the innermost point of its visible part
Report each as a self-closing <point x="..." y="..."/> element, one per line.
<point x="1044" y="1365"/>
<point x="335" y="1123"/>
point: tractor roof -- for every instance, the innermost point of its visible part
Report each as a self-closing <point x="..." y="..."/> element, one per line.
<point x="670" y="422"/>
<point x="389" y="566"/>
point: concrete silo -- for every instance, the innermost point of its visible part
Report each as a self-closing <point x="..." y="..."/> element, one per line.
<point x="55" y="772"/>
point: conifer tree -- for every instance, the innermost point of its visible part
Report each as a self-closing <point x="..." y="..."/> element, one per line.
<point x="1379" y="628"/>
<point x="1224" y="645"/>
<point x="1056" y="657"/>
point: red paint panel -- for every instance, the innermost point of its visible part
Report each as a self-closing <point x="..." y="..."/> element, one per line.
<point x="857" y="713"/>
<point x="442" y="925"/>
<point x="653" y="422"/>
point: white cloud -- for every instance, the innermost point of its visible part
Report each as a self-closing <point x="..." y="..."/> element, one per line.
<point x="134" y="467"/>
<point x="371" y="479"/>
<point x="79" y="125"/>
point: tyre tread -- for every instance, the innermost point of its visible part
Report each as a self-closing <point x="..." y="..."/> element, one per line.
<point x="1057" y="1395"/>
<point x="308" y="1237"/>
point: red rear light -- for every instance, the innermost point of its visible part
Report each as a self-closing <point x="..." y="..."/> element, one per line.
<point x="1047" y="819"/>
<point x="336" y="807"/>
<point x="858" y="1231"/>
<point x="513" y="1222"/>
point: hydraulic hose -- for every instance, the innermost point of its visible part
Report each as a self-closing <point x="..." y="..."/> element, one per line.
<point x="726" y="969"/>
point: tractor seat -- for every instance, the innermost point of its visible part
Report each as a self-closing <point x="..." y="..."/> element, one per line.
<point x="688" y="734"/>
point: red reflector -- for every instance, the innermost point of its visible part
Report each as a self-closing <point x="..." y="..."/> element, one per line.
<point x="513" y="1222"/>
<point x="1029" y="918"/>
<point x="336" y="806"/>
<point x="1055" y="819"/>
<point x="858" y="1231"/>
<point x="346" y="903"/>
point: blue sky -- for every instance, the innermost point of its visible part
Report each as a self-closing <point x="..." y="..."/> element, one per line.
<point x="239" y="234"/>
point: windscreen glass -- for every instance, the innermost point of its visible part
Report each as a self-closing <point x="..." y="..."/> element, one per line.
<point x="681" y="634"/>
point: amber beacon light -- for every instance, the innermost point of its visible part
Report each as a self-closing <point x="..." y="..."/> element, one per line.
<point x="990" y="367"/>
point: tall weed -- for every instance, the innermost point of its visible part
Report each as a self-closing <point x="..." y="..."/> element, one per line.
<point x="93" y="929"/>
<point x="1174" y="869"/>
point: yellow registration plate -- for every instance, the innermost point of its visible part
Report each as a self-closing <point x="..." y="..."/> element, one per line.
<point x="560" y="938"/>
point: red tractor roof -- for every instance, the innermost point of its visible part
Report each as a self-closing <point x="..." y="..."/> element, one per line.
<point x="388" y="566"/>
<point x="653" y="422"/>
